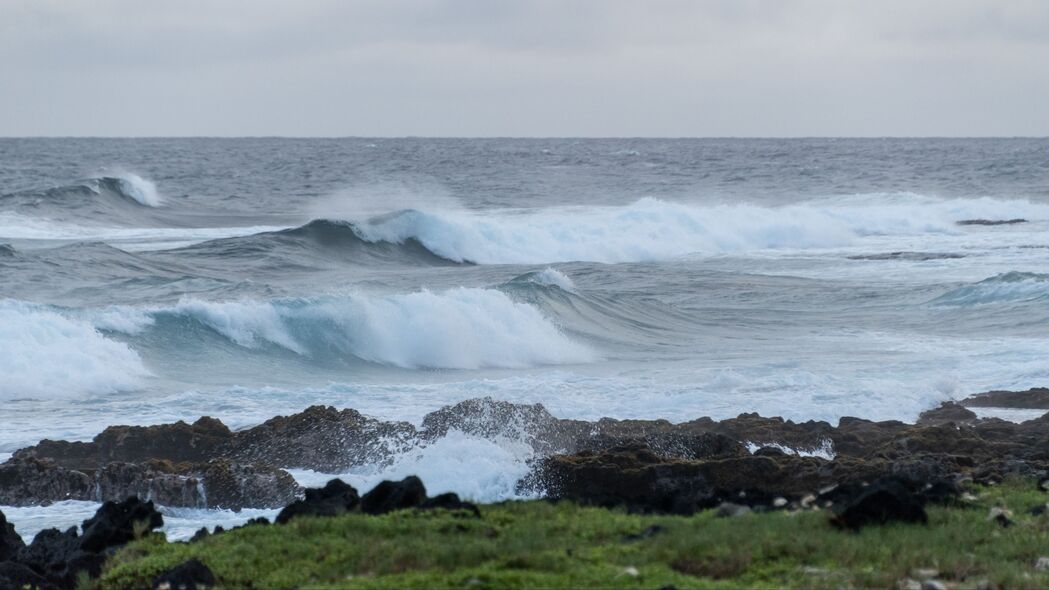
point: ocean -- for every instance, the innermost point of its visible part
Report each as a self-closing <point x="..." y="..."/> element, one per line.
<point x="152" y="280"/>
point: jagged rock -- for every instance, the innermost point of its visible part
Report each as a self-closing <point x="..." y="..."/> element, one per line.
<point x="885" y="500"/>
<point x="1033" y="399"/>
<point x="631" y="476"/>
<point x="178" y="442"/>
<point x="234" y="486"/>
<point x="388" y="496"/>
<point x="191" y="575"/>
<point x="335" y="498"/>
<point x="58" y="557"/>
<point x="321" y="438"/>
<point x="857" y="437"/>
<point x="10" y="541"/>
<point x="947" y="413"/>
<point x="486" y="417"/>
<point x="159" y="481"/>
<point x="62" y="558"/>
<point x="218" y="484"/>
<point x="117" y="523"/>
<point x="21" y="577"/>
<point x="28" y="481"/>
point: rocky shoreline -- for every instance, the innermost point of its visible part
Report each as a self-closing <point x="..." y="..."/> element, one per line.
<point x="654" y="466"/>
<point x="207" y="465"/>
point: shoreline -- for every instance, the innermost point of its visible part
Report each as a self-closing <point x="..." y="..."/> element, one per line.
<point x="739" y="465"/>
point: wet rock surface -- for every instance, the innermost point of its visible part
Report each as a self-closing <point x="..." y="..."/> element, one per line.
<point x="643" y="464"/>
<point x="1032" y="399"/>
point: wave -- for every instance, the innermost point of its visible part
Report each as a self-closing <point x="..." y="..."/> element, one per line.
<point x="16" y="226"/>
<point x="142" y="191"/>
<point x="126" y="188"/>
<point x="1010" y="287"/>
<point x="337" y="241"/>
<point x="464" y="328"/>
<point x="47" y="354"/>
<point x="652" y="229"/>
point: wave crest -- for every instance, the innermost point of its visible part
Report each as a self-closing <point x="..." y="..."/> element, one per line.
<point x="651" y="229"/>
<point x="465" y="328"/>
<point x="1010" y="287"/>
<point x="46" y="354"/>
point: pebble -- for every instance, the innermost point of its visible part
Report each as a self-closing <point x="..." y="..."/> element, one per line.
<point x="933" y="585"/>
<point x="1042" y="564"/>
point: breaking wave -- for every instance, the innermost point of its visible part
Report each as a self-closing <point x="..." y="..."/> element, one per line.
<point x="47" y="354"/>
<point x="651" y="229"/>
<point x="465" y="328"/>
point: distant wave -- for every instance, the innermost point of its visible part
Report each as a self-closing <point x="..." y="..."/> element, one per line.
<point x="134" y="187"/>
<point x="47" y="354"/>
<point x="1010" y="287"/>
<point x="124" y="187"/>
<point x="333" y="240"/>
<point x="651" y="229"/>
<point x="458" y="329"/>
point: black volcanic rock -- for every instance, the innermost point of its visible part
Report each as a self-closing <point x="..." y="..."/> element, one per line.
<point x="948" y="412"/>
<point x="31" y="481"/>
<point x="18" y="576"/>
<point x="883" y="501"/>
<point x="991" y="221"/>
<point x="117" y="523"/>
<point x="320" y="438"/>
<point x="335" y="498"/>
<point x="1032" y="399"/>
<point x="388" y="496"/>
<point x="10" y="541"/>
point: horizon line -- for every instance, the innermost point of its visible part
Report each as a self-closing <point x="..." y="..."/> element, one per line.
<point x="525" y="137"/>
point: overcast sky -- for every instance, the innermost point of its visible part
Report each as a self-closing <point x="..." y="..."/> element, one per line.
<point x="528" y="68"/>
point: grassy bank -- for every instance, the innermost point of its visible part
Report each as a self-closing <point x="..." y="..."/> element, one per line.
<point x="543" y="545"/>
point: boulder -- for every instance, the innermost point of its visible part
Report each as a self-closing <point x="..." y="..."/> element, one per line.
<point x="335" y="498"/>
<point x="885" y="500"/>
<point x="117" y="523"/>
<point x="388" y="496"/>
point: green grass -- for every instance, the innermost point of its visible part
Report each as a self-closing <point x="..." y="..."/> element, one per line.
<point x="543" y="545"/>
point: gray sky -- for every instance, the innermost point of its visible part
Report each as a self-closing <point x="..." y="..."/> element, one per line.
<point x="535" y="68"/>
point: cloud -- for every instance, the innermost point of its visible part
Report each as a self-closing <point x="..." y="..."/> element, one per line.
<point x="568" y="67"/>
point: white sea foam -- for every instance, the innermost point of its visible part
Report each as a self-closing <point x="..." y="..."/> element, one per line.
<point x="14" y="226"/>
<point x="141" y="190"/>
<point x="46" y="354"/>
<point x="479" y="469"/>
<point x="179" y="523"/>
<point x="652" y="229"/>
<point x="458" y="329"/>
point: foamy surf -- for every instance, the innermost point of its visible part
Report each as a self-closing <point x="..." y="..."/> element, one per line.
<point x="653" y="229"/>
